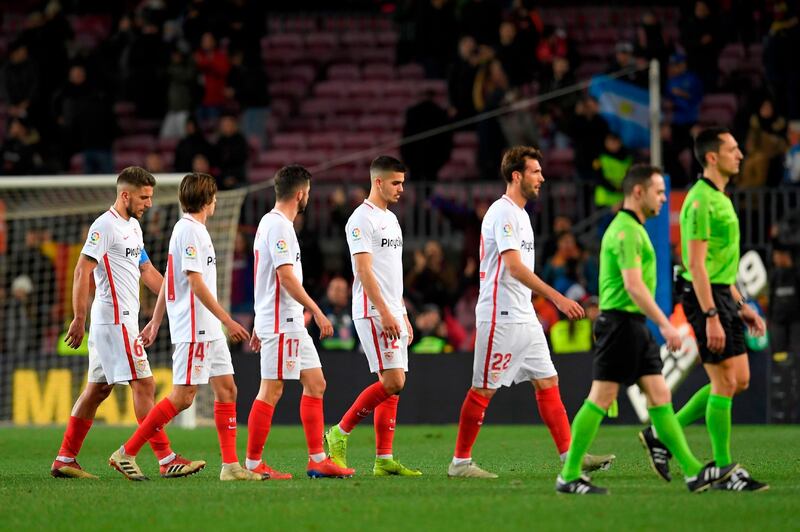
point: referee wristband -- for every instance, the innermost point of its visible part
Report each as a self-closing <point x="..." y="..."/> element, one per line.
<point x="741" y="303"/>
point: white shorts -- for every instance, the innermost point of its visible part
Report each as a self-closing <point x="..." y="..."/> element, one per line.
<point x="507" y="353"/>
<point x="116" y="354"/>
<point x="383" y="353"/>
<point x="285" y="355"/>
<point x="195" y="362"/>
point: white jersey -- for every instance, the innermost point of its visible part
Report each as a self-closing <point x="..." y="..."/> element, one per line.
<point x="117" y="246"/>
<point x="503" y="299"/>
<point x="373" y="230"/>
<point x="275" y="245"/>
<point x="191" y="250"/>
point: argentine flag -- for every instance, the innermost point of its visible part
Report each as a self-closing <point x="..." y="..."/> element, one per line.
<point x="626" y="109"/>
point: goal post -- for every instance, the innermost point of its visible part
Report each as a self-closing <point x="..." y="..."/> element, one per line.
<point x="43" y="225"/>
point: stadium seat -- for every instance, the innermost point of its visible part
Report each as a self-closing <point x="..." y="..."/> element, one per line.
<point x="344" y="71"/>
<point x="289" y="141"/>
<point x="378" y="71"/>
<point x="138" y="143"/>
<point x="328" y="141"/>
<point x="411" y="71"/>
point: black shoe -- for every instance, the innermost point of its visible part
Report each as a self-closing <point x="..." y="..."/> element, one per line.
<point x="657" y="452"/>
<point x="709" y="475"/>
<point x="740" y="480"/>
<point x="581" y="486"/>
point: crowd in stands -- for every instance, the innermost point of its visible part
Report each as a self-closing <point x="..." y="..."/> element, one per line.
<point x="190" y="86"/>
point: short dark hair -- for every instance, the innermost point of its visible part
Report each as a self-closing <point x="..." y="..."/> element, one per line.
<point x="514" y="160"/>
<point x="137" y="177"/>
<point x="196" y="191"/>
<point x="384" y="164"/>
<point x="708" y="141"/>
<point x="289" y="179"/>
<point x="638" y="174"/>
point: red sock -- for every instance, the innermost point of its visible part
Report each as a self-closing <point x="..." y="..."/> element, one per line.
<point x="225" y="419"/>
<point x="258" y="425"/>
<point x="76" y="431"/>
<point x="159" y="443"/>
<point x="469" y="424"/>
<point x="160" y="415"/>
<point x="385" y="419"/>
<point x="363" y="406"/>
<point x="313" y="418"/>
<point x="554" y="415"/>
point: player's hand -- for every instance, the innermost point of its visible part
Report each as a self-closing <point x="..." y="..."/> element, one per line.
<point x="390" y="327"/>
<point x="755" y="325"/>
<point x="75" y="333"/>
<point x="409" y="328"/>
<point x="324" y="324"/>
<point x="236" y="332"/>
<point x="255" y="342"/>
<point x="148" y="334"/>
<point x="715" y="335"/>
<point x="672" y="336"/>
<point x="572" y="309"/>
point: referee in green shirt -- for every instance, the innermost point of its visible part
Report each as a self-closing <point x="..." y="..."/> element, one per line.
<point x="625" y="351"/>
<point x="714" y="307"/>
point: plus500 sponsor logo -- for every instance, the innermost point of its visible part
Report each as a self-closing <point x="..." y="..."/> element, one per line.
<point x="391" y="243"/>
<point x="526" y="246"/>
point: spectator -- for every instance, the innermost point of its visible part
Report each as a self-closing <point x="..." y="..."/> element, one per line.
<point x="113" y="58"/>
<point x="671" y="155"/>
<point x="19" y="155"/>
<point x="685" y="92"/>
<point x="562" y="77"/>
<point x="21" y="76"/>
<point x="461" y="79"/>
<point x="201" y="164"/>
<point x="566" y="270"/>
<point x="561" y="224"/>
<point x="430" y="336"/>
<point x="147" y="60"/>
<point x="431" y="280"/>
<point x="192" y="144"/>
<point x="154" y="163"/>
<point x="427" y="156"/>
<point x="213" y="65"/>
<point x="765" y="147"/>
<point x="182" y="78"/>
<point x="491" y="85"/>
<point x="231" y="154"/>
<point x="518" y="63"/>
<point x="701" y="38"/>
<point x="783" y="316"/>
<point x="313" y="260"/>
<point x="780" y="61"/>
<point x="467" y="219"/>
<point x="650" y="42"/>
<point x="436" y="36"/>
<point x="624" y="59"/>
<point x="337" y="306"/>
<point x="588" y="131"/>
<point x="247" y="86"/>
<point x="792" y="164"/>
<point x="87" y="122"/>
<point x="611" y="166"/>
<point x="20" y="332"/>
<point x="554" y="43"/>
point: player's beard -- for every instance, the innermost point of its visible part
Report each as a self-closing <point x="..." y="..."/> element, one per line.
<point x="301" y="207"/>
<point x="529" y="192"/>
<point x="131" y="213"/>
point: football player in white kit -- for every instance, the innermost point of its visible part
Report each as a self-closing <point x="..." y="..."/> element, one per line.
<point x="376" y="248"/>
<point x="279" y="334"/>
<point x="201" y="353"/>
<point x="114" y="253"/>
<point x="510" y="345"/>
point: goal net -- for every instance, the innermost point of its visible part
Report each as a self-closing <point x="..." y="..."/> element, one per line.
<point x="43" y="226"/>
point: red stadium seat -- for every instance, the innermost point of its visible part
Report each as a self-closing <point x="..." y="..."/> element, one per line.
<point x="289" y="141"/>
<point x="344" y="71"/>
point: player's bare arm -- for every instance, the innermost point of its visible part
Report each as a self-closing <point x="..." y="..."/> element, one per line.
<point x="292" y="284"/>
<point x="81" y="282"/>
<point x="750" y="317"/>
<point x="236" y="332"/>
<point x="151" y="277"/>
<point x="148" y="335"/>
<point x="640" y="295"/>
<point x="513" y="261"/>
<point x="370" y="283"/>
<point x="715" y="334"/>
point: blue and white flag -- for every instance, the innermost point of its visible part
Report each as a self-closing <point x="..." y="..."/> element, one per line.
<point x="626" y="109"/>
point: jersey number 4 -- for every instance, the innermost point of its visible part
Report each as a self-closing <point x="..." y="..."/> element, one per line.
<point x="386" y="345"/>
<point x="500" y="361"/>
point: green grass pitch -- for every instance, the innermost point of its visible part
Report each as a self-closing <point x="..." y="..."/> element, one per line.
<point x="521" y="499"/>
